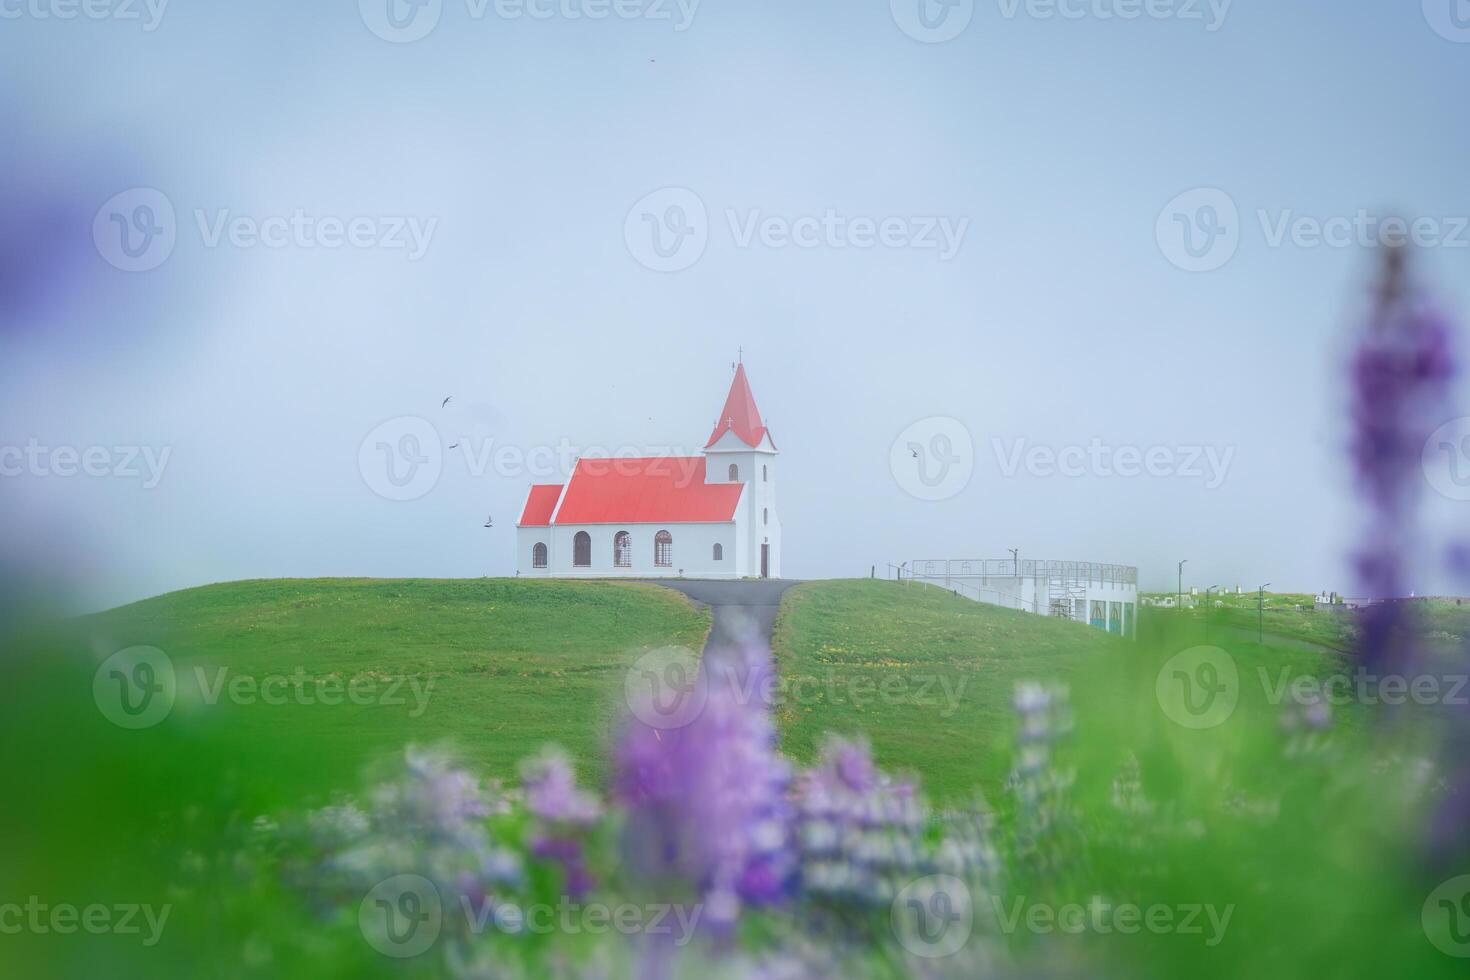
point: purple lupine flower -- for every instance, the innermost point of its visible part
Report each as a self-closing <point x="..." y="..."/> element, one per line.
<point x="435" y="800"/>
<point x="1400" y="375"/>
<point x="551" y="790"/>
<point x="429" y="821"/>
<point x="563" y="813"/>
<point x="706" y="801"/>
<point x="1044" y="717"/>
<point x="859" y="832"/>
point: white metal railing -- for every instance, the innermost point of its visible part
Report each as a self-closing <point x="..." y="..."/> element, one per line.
<point x="1098" y="573"/>
<point x="996" y="597"/>
<point x="1056" y="587"/>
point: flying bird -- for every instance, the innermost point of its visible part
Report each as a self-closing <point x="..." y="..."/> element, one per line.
<point x="489" y="522"/>
<point x="446" y="400"/>
<point x="454" y="445"/>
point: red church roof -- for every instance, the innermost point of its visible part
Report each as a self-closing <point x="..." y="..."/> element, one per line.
<point x="740" y="414"/>
<point x="540" y="503"/>
<point x="651" y="490"/>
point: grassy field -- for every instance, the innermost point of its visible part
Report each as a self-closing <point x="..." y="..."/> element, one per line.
<point x="1245" y="811"/>
<point x="950" y="666"/>
<point x="101" y="813"/>
<point x="1291" y="616"/>
<point x="498" y="667"/>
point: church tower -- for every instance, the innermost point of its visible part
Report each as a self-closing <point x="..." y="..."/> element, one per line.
<point x="740" y="450"/>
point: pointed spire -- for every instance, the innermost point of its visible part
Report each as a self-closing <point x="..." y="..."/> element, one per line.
<point x="740" y="414"/>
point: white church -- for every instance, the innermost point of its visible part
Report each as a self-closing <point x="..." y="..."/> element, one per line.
<point x="706" y="516"/>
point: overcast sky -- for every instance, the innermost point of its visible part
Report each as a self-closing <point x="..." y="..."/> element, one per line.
<point x="994" y="245"/>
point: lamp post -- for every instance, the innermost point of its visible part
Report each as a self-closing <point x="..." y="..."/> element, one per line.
<point x="1261" y="613"/>
<point x="1212" y="588"/>
<point x="1179" y="592"/>
<point x="1016" y="560"/>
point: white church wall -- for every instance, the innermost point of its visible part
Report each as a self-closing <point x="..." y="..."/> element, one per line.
<point x="760" y="524"/>
<point x="526" y="540"/>
<point x="693" y="550"/>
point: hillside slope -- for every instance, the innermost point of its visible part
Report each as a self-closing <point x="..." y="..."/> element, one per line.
<point x="498" y="667"/>
<point x="927" y="675"/>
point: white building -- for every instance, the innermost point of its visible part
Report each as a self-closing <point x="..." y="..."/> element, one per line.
<point x="1105" y="596"/>
<point x="707" y="516"/>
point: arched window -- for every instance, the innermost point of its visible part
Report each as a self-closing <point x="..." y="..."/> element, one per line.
<point x="622" y="550"/>
<point x="719" y="552"/>
<point x="734" y="473"/>
<point x="538" y="555"/>
<point x="765" y="474"/>
<point x="582" y="550"/>
<point x="663" y="549"/>
<point x="765" y="516"/>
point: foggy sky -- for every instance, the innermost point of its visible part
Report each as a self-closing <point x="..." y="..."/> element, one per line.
<point x="1058" y="321"/>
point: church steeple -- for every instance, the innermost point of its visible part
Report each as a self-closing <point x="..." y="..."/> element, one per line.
<point x="740" y="414"/>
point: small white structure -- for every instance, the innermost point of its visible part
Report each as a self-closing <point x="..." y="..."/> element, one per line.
<point x="707" y="516"/>
<point x="1105" y="596"/>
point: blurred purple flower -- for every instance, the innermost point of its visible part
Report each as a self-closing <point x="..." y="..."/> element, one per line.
<point x="44" y="246"/>
<point x="1400" y="376"/>
<point x="430" y="820"/>
<point x="1044" y="719"/>
<point x="705" y="802"/>
<point x="435" y="801"/>
<point x="860" y="832"/>
<point x="563" y="813"/>
<point x="552" y="793"/>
